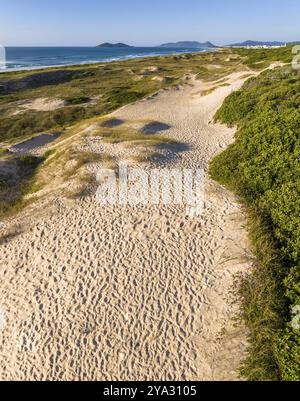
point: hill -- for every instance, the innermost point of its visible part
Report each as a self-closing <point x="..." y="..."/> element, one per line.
<point x="189" y="44"/>
<point x="117" y="45"/>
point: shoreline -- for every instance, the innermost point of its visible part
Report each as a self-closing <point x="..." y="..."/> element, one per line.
<point x="112" y="60"/>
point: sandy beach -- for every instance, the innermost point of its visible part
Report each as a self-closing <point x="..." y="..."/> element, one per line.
<point x="89" y="292"/>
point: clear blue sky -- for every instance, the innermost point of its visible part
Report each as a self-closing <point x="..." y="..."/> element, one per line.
<point x="143" y="22"/>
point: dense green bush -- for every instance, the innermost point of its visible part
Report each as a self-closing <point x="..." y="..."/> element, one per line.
<point x="121" y="96"/>
<point x="14" y="187"/>
<point x="263" y="166"/>
<point x="32" y="122"/>
<point x="29" y="161"/>
<point x="77" y="100"/>
<point x="259" y="58"/>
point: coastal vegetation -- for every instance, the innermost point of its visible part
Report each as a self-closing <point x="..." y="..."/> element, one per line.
<point x="61" y="100"/>
<point x="263" y="167"/>
<point x="95" y="90"/>
<point x="99" y="89"/>
<point x="17" y="180"/>
<point x="257" y="59"/>
<point x="64" y="167"/>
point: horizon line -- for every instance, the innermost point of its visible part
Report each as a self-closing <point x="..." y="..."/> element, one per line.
<point x="149" y="46"/>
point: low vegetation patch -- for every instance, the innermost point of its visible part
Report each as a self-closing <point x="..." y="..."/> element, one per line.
<point x="77" y="159"/>
<point x="261" y="58"/>
<point x="118" y="83"/>
<point x="132" y="136"/>
<point x="77" y="100"/>
<point x="17" y="179"/>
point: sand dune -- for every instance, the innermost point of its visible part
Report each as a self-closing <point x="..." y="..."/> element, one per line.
<point x="134" y="293"/>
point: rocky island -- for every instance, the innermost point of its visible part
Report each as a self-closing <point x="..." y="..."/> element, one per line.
<point x="116" y="45"/>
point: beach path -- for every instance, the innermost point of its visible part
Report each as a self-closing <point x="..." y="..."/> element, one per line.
<point x="135" y="293"/>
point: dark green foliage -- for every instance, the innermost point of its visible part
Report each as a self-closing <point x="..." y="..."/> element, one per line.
<point x="121" y="96"/>
<point x="77" y="100"/>
<point x="287" y="348"/>
<point x="263" y="166"/>
<point x="30" y="123"/>
<point x="287" y="353"/>
<point x="292" y="284"/>
<point x="13" y="187"/>
<point x="30" y="161"/>
<point x="258" y="58"/>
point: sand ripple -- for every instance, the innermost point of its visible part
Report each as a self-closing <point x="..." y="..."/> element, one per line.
<point x="139" y="293"/>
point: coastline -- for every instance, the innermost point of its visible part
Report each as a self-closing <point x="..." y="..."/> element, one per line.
<point x="168" y="53"/>
<point x="187" y="266"/>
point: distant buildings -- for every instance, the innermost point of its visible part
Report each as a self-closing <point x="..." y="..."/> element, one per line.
<point x="265" y="46"/>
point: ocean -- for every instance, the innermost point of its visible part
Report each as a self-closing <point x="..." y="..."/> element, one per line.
<point x="22" y="58"/>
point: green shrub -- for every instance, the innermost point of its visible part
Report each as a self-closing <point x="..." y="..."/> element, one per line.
<point x="263" y="166"/>
<point x="287" y="353"/>
<point x="258" y="58"/>
<point x="292" y="284"/>
<point x="30" y="161"/>
<point x="77" y="100"/>
<point x="121" y="96"/>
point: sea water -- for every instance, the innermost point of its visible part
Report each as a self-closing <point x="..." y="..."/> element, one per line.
<point x="19" y="58"/>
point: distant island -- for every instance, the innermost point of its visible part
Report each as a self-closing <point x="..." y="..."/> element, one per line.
<point x="116" y="45"/>
<point x="189" y="44"/>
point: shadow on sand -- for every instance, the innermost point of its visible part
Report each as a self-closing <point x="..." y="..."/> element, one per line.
<point x="155" y="127"/>
<point x="168" y="152"/>
<point x="34" y="143"/>
<point x="113" y="122"/>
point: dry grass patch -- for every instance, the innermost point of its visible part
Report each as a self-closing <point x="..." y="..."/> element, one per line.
<point x="17" y="179"/>
<point x="132" y="137"/>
